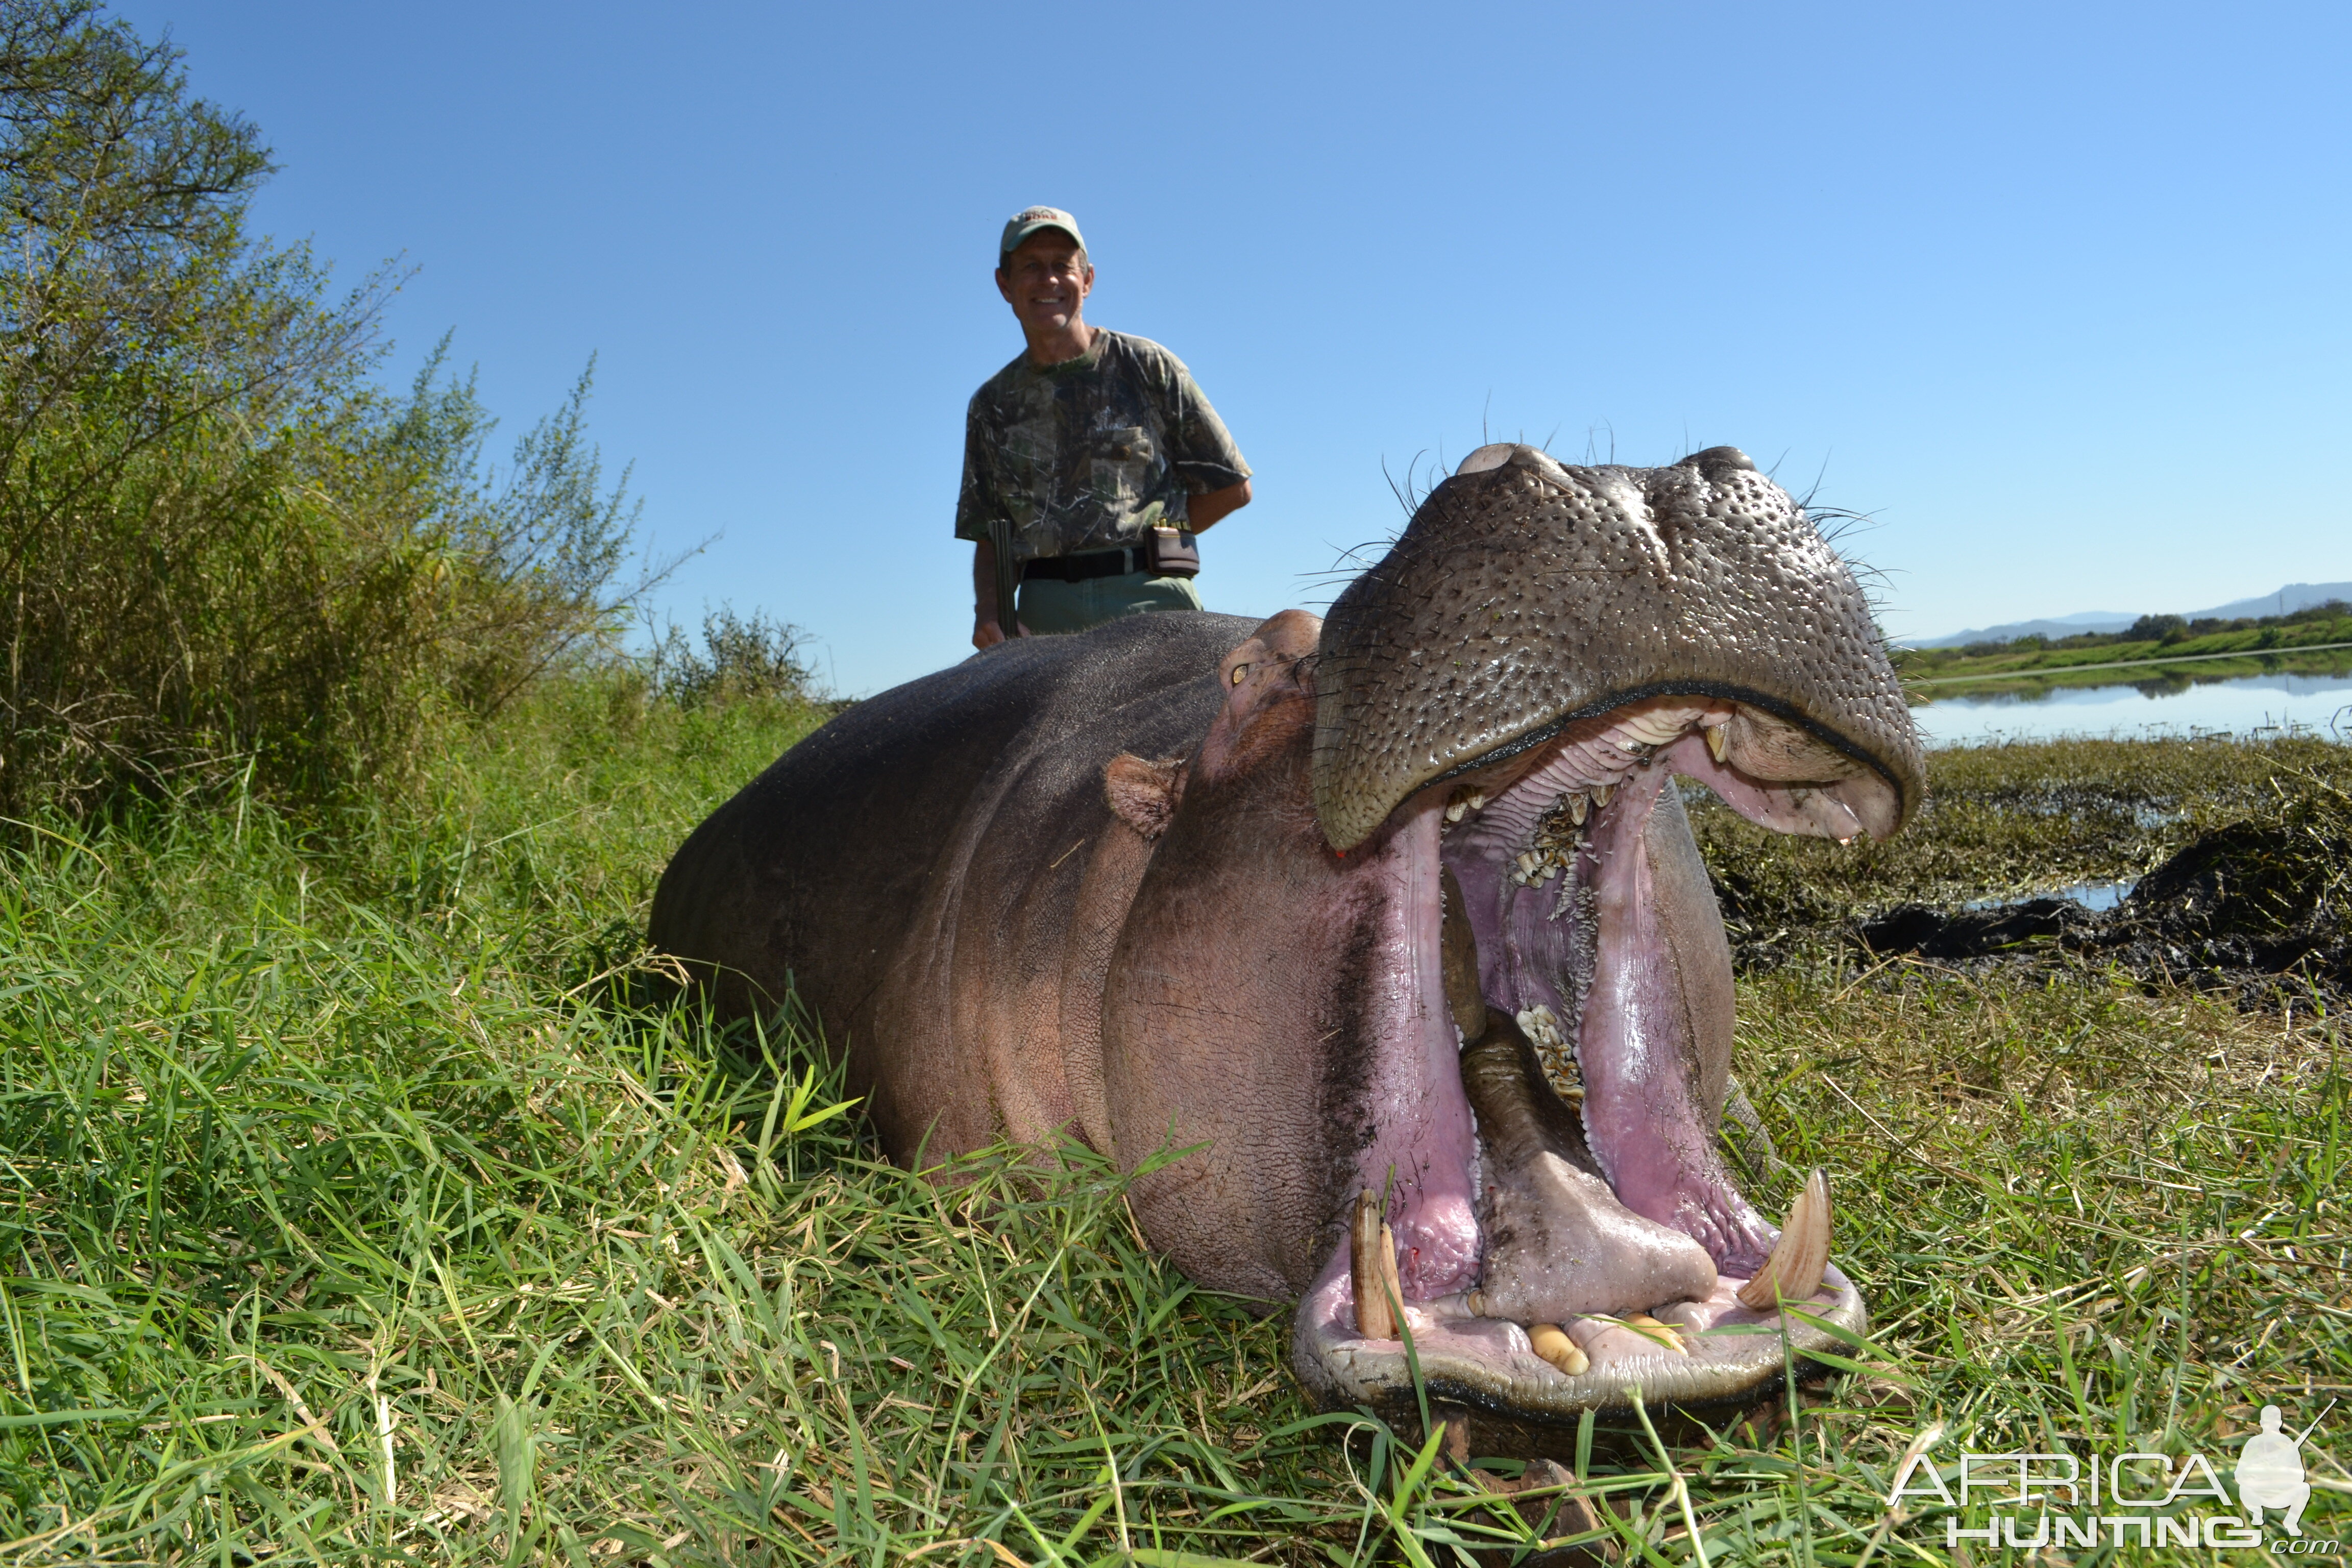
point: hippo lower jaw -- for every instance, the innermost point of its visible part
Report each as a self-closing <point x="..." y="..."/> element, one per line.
<point x="1488" y="1364"/>
<point x="1513" y="1208"/>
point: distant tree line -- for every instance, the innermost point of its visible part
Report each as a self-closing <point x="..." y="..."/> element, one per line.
<point x="224" y="550"/>
<point x="2162" y="629"/>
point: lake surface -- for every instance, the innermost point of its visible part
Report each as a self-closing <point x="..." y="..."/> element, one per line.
<point x="2246" y="705"/>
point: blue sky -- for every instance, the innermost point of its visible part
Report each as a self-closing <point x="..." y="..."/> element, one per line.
<point x="2059" y="294"/>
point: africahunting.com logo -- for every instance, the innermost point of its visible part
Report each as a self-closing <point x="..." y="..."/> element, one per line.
<point x="2038" y="1500"/>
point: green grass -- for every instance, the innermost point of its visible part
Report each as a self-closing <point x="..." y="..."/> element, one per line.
<point x="312" y="1133"/>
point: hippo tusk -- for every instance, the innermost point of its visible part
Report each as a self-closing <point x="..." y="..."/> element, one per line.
<point x="1458" y="959"/>
<point x="1794" y="1271"/>
<point x="1372" y="1266"/>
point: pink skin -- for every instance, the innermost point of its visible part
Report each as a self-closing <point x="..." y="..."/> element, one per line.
<point x="1247" y="928"/>
<point x="1644" y="1124"/>
<point x="1644" y="1120"/>
<point x="1425" y="1135"/>
<point x="1645" y="1127"/>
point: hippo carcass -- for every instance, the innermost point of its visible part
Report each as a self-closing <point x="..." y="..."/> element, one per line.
<point x="1324" y="898"/>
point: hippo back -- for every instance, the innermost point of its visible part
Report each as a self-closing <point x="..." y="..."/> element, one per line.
<point x="817" y="875"/>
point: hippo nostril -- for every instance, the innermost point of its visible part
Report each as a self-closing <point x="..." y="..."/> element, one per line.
<point x="1717" y="461"/>
<point x="1494" y="455"/>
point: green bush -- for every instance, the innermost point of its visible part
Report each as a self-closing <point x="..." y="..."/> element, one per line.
<point x="752" y="656"/>
<point x="225" y="552"/>
<point x="2157" y="628"/>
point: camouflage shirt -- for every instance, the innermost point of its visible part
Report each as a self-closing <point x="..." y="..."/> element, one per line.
<point x="1087" y="454"/>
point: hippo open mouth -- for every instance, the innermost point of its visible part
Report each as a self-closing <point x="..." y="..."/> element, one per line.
<point x="1560" y="1228"/>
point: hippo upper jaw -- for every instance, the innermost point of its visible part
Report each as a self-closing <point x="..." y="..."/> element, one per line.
<point x="1526" y="597"/>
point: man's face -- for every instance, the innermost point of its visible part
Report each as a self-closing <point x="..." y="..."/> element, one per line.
<point x="1045" y="281"/>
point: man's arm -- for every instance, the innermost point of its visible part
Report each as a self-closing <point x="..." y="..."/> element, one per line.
<point x="1202" y="512"/>
<point x="975" y="504"/>
<point x="985" y="632"/>
<point x="1200" y="450"/>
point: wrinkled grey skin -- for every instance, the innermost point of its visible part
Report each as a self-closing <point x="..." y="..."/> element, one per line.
<point x="1178" y="881"/>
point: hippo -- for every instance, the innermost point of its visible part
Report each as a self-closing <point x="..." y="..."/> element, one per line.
<point x="1391" y="923"/>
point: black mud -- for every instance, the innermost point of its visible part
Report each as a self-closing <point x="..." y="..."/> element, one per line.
<point x="2260" y="906"/>
<point x="2256" y="905"/>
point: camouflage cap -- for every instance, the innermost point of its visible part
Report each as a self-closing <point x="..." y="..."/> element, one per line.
<point x="1028" y="221"/>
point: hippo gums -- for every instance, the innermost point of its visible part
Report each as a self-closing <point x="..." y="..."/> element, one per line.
<point x="1395" y="920"/>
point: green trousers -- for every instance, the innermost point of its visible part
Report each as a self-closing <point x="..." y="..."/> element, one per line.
<point x="1046" y="605"/>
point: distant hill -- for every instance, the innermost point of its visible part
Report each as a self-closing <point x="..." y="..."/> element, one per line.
<point x="2287" y="600"/>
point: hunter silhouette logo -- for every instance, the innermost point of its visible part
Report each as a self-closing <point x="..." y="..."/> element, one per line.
<point x="2270" y="1473"/>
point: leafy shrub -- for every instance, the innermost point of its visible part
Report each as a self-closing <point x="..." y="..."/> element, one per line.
<point x="754" y="658"/>
<point x="223" y="550"/>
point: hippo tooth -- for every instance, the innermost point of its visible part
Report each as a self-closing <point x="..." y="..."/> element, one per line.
<point x="1650" y="1328"/>
<point x="1371" y="1266"/>
<point x="1557" y="1348"/>
<point x="1718" y="741"/>
<point x="1799" y="1258"/>
<point x="1601" y="794"/>
<point x="1580" y="806"/>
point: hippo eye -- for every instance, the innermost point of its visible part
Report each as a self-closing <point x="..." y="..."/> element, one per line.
<point x="1240" y="671"/>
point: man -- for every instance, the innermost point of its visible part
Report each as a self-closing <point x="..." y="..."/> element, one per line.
<point x="2270" y="1474"/>
<point x="1086" y="459"/>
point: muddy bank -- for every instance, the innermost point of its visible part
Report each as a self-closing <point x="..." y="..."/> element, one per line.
<point x="2233" y="888"/>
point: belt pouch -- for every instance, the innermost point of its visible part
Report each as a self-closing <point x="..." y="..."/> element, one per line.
<point x="1170" y="552"/>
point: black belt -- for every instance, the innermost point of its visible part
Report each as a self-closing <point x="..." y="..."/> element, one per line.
<point x="1093" y="563"/>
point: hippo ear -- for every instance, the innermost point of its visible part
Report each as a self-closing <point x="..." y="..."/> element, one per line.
<point x="1144" y="794"/>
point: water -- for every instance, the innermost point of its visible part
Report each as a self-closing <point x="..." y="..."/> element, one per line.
<point x="2245" y="705"/>
<point x="2093" y="896"/>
